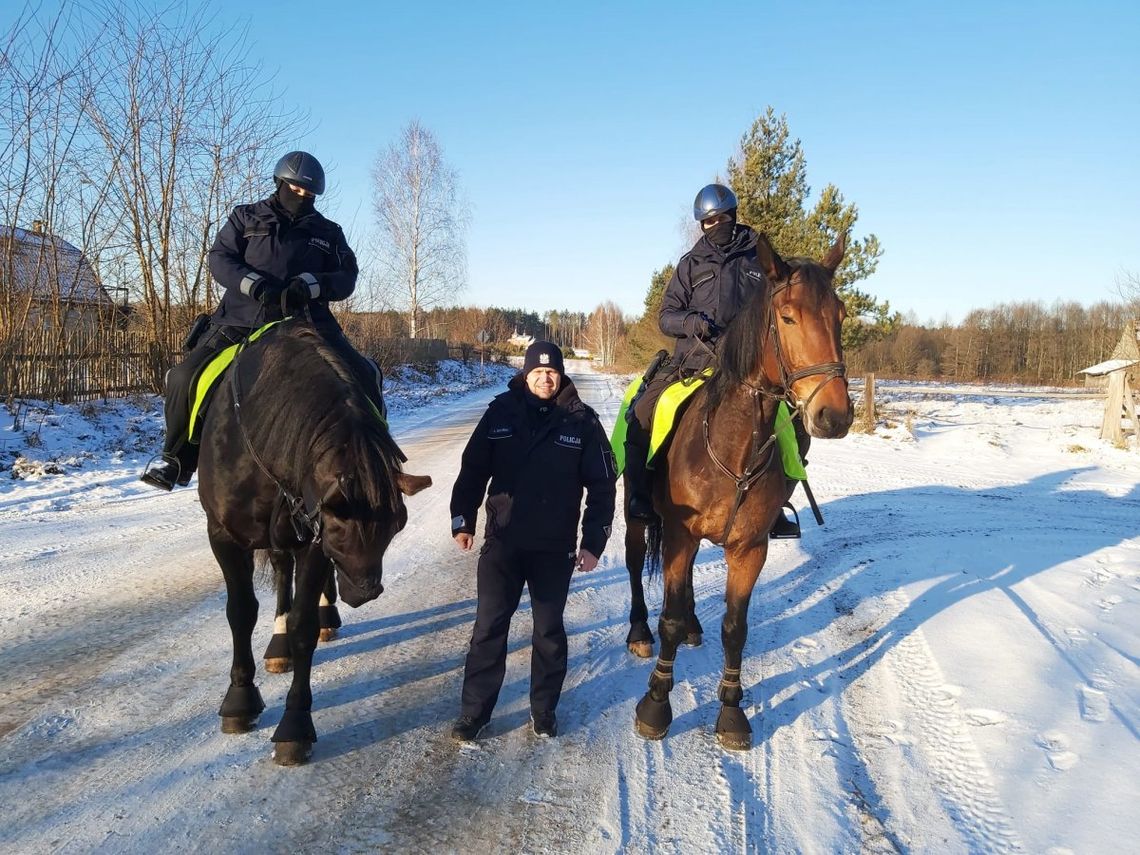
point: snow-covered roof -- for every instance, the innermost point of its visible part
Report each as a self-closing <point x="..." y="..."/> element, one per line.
<point x="1107" y="367"/>
<point x="48" y="267"/>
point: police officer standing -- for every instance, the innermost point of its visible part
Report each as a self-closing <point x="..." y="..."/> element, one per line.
<point x="710" y="285"/>
<point x="539" y="446"/>
<point x="277" y="252"/>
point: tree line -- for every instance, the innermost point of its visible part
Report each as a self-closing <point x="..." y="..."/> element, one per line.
<point x="1024" y="342"/>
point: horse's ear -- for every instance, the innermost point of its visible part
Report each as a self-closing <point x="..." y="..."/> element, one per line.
<point x="775" y="268"/>
<point x="411" y="484"/>
<point x="835" y="254"/>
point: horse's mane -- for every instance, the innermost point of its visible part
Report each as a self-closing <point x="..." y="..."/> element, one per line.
<point x="310" y="405"/>
<point x="743" y="342"/>
<point x="740" y="347"/>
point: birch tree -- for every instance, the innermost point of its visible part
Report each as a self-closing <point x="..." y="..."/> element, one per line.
<point x="422" y="224"/>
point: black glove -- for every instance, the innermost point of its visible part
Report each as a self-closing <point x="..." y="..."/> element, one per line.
<point x="701" y="326"/>
<point x="268" y="292"/>
<point x="297" y="295"/>
<point x="711" y="327"/>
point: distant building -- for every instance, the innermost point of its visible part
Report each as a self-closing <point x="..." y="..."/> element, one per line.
<point x="54" y="277"/>
<point x="1126" y="355"/>
<point x="520" y="340"/>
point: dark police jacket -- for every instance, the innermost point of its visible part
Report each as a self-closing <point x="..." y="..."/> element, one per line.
<point x="263" y="242"/>
<point x="711" y="280"/>
<point x="537" y="475"/>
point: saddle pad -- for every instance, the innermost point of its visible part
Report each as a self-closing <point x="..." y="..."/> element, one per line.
<point x="665" y="416"/>
<point x="208" y="377"/>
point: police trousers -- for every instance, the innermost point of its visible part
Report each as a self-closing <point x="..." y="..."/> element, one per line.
<point x="502" y="573"/>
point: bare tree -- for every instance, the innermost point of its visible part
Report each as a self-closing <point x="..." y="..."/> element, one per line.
<point x="188" y="128"/>
<point x="604" y="331"/>
<point x="48" y="178"/>
<point x="422" y="222"/>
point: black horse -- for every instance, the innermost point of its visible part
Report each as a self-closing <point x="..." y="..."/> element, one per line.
<point x="296" y="459"/>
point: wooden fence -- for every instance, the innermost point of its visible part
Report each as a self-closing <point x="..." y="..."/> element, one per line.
<point x="88" y="363"/>
<point x="80" y="363"/>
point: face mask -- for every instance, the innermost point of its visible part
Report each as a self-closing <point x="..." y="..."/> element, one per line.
<point x="721" y="233"/>
<point x="294" y="203"/>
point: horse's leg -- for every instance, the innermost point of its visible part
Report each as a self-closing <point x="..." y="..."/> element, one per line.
<point x="694" y="632"/>
<point x="329" y="616"/>
<point x="242" y="703"/>
<point x="295" y="735"/>
<point x="732" y="727"/>
<point x="278" y="659"/>
<point x="639" y="641"/>
<point x="654" y="714"/>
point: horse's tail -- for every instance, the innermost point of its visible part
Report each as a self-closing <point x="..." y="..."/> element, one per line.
<point x="653" y="547"/>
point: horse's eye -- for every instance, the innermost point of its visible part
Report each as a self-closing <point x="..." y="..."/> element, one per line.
<point x="789" y="321"/>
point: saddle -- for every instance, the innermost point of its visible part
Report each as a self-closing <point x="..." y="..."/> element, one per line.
<point x="672" y="404"/>
<point x="206" y="382"/>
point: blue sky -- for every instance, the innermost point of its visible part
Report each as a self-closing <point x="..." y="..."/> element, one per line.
<point x="992" y="147"/>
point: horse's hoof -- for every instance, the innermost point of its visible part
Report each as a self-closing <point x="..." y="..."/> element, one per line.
<point x="238" y="723"/>
<point x="292" y="753"/>
<point x="695" y="639"/>
<point x="733" y="730"/>
<point x="653" y="718"/>
<point x="641" y="649"/>
<point x="283" y="665"/>
<point x="328" y="633"/>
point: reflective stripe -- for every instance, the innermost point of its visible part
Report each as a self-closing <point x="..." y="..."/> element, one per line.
<point x="314" y="286"/>
<point x="248" y="283"/>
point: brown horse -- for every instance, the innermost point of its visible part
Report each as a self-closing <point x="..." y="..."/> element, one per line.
<point x="721" y="477"/>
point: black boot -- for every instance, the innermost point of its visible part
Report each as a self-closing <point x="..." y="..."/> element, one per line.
<point x="164" y="475"/>
<point x="175" y="469"/>
<point x="638" y="481"/>
<point x="784" y="528"/>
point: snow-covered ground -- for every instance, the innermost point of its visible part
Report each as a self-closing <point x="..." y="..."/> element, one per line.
<point x="951" y="665"/>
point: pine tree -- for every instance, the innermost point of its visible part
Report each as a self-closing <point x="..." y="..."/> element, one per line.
<point x="769" y="177"/>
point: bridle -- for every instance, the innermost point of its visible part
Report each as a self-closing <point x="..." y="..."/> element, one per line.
<point x="762" y="455"/>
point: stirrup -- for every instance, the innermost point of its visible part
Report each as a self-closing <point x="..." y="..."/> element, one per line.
<point x="163" y="476"/>
<point x="784" y="528"/>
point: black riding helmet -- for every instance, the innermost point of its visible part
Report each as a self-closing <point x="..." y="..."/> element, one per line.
<point x="302" y="169"/>
<point x="714" y="199"/>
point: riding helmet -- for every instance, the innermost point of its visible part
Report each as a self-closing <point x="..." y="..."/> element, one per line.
<point x="302" y="169"/>
<point x="713" y="199"/>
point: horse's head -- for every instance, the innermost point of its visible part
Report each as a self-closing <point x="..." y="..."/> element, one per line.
<point x="805" y="353"/>
<point x="358" y="522"/>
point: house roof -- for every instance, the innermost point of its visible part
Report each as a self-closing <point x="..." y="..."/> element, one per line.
<point x="1107" y="367"/>
<point x="49" y="267"/>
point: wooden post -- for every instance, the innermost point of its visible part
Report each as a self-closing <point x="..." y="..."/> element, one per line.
<point x="869" y="417"/>
<point x="1119" y="408"/>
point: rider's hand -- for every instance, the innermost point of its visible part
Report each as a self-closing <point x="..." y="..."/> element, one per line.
<point x="297" y="294"/>
<point x="700" y="325"/>
<point x="464" y="540"/>
<point x="268" y="292"/>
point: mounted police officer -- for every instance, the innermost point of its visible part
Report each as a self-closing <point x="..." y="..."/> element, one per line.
<point x="276" y="256"/>
<point x="710" y="285"/>
<point x="539" y="446"/>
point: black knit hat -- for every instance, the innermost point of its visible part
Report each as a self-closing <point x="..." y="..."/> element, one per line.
<point x="543" y="354"/>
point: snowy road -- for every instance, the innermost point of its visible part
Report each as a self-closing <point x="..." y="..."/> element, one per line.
<point x="951" y="665"/>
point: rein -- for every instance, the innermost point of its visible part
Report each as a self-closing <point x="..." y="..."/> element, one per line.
<point x="308" y="524"/>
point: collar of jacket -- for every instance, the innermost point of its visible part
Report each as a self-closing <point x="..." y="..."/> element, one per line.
<point x="744" y="241"/>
